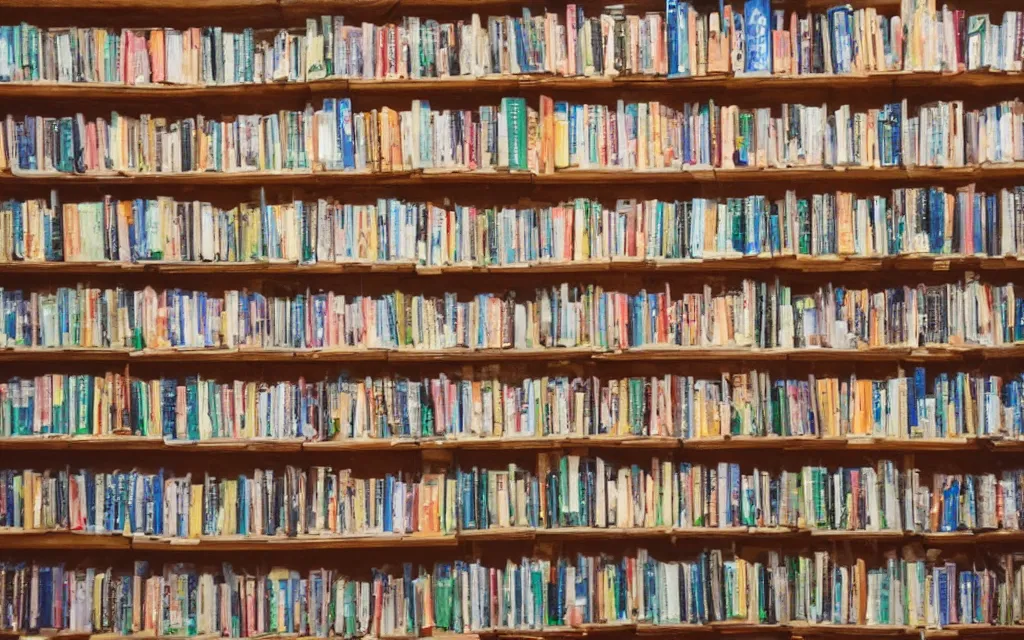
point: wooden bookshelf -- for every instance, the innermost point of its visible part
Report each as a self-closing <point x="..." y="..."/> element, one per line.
<point x="502" y="185"/>
<point x="40" y="540"/>
<point x="316" y="90"/>
<point x="519" y="180"/>
<point x="789" y="444"/>
<point x="198" y="356"/>
<point x="824" y="265"/>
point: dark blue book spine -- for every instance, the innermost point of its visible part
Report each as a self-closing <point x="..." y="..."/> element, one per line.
<point x="672" y="19"/>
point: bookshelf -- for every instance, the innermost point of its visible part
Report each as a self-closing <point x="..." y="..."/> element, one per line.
<point x="519" y="181"/>
<point x="977" y="552"/>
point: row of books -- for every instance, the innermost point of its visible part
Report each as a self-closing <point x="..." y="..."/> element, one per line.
<point x="563" y="491"/>
<point x="528" y="594"/>
<point x="750" y="404"/>
<point x="749" y="38"/>
<point x="749" y="315"/>
<point x="514" y="136"/>
<point x="912" y="221"/>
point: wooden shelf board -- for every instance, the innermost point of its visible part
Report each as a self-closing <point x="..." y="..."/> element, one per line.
<point x="304" y="543"/>
<point x="38" y="539"/>
<point x="11" y="539"/>
<point x="260" y="355"/>
<point x="566" y="178"/>
<point x="539" y="83"/>
<point x="792" y="444"/>
<point x="491" y="355"/>
<point x="823" y="265"/>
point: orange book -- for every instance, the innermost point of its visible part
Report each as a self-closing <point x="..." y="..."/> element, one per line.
<point x="547" y="131"/>
<point x="157" y="55"/>
<point x="844" y="222"/>
<point x="860" y="582"/>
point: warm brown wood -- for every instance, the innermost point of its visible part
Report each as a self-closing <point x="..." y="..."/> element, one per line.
<point x="13" y="539"/>
<point x="567" y="178"/>
<point x="946" y="354"/>
<point x="38" y="540"/>
<point x="501" y="85"/>
<point x="793" y="264"/>
<point x="792" y="444"/>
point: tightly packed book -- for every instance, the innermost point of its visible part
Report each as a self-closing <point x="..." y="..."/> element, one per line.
<point x="529" y="594"/>
<point x="752" y="315"/>
<point x="563" y="491"/>
<point x="514" y="136"/>
<point x="912" y="221"/>
<point x="741" y="38"/>
<point x="751" y="403"/>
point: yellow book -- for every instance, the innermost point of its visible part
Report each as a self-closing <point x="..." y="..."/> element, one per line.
<point x="28" y="515"/>
<point x="561" y="134"/>
<point x="97" y="601"/>
<point x="250" y="411"/>
<point x="230" y="525"/>
<point x="741" y="582"/>
<point x="195" y="512"/>
<point x="360" y="506"/>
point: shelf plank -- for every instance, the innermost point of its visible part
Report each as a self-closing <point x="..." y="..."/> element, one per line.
<point x="794" y="444"/>
<point x="14" y="539"/>
<point x="950" y="354"/>
<point x="795" y="264"/>
<point x="565" y="178"/>
<point x="314" y="90"/>
<point x="61" y="539"/>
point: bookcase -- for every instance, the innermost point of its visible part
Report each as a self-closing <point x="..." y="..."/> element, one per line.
<point x="507" y="404"/>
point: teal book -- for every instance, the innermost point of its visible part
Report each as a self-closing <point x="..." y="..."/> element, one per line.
<point x="514" y="110"/>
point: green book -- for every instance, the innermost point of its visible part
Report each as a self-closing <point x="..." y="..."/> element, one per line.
<point x="85" y="389"/>
<point x="350" y="609"/>
<point x="443" y="603"/>
<point x="514" y="110"/>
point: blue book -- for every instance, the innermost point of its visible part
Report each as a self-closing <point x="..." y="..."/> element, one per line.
<point x="389" y="487"/>
<point x="757" y="21"/>
<point x="672" y="31"/>
<point x="977" y="232"/>
<point x="7" y="44"/>
<point x="936" y="220"/>
<point x="912" y="419"/>
<point x="992" y="224"/>
<point x="346" y="142"/>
